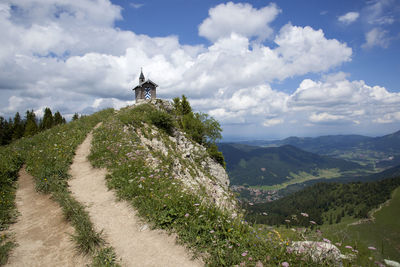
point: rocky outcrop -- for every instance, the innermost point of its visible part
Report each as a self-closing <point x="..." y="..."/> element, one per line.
<point x="191" y="163"/>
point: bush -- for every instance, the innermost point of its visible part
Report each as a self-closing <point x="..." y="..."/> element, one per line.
<point x="162" y="120"/>
<point x="216" y="155"/>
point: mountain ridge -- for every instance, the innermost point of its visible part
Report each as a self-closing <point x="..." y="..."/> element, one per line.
<point x="257" y="166"/>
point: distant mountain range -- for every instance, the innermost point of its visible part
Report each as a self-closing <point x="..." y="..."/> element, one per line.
<point x="268" y="166"/>
<point x="380" y="152"/>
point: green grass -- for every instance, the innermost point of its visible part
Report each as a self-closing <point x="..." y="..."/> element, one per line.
<point x="48" y="156"/>
<point x="6" y="245"/>
<point x="10" y="163"/>
<point x="213" y="234"/>
<point x="384" y="232"/>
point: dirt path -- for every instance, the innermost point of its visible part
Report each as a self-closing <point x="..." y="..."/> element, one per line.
<point x="41" y="231"/>
<point x="133" y="242"/>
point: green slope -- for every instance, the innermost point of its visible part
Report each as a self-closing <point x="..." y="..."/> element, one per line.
<point x="326" y="202"/>
<point x="384" y="232"/>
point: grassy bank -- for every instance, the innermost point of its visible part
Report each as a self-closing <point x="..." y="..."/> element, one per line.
<point x="10" y="163"/>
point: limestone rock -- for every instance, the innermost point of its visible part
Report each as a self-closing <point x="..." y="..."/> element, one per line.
<point x="318" y="251"/>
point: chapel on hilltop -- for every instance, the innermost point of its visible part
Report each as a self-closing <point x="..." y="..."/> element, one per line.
<point x="146" y="90"/>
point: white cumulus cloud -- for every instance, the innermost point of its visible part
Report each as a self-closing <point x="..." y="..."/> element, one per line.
<point x="241" y="18"/>
<point x="349" y="17"/>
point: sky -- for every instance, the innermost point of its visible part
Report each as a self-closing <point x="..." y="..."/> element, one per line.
<point x="264" y="70"/>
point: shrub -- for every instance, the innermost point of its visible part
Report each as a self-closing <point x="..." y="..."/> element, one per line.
<point x="162" y="120"/>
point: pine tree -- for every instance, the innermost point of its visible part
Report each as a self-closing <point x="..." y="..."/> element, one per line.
<point x="31" y="127"/>
<point x="18" y="127"/>
<point x="76" y="116"/>
<point x="48" y="120"/>
<point x="58" y="119"/>
<point x="5" y="131"/>
<point x="185" y="106"/>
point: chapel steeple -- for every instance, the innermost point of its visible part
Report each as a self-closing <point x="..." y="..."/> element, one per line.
<point x="141" y="77"/>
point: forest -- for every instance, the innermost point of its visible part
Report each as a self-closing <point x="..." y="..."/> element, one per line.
<point x="324" y="203"/>
<point x="17" y="127"/>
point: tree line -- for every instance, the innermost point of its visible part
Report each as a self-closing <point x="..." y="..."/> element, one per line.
<point x="17" y="127"/>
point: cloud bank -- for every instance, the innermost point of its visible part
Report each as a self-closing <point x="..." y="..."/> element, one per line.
<point x="69" y="56"/>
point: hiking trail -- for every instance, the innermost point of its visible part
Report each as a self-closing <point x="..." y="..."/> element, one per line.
<point x="134" y="243"/>
<point x="41" y="231"/>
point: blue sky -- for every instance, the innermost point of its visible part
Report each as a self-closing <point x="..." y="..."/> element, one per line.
<point x="264" y="69"/>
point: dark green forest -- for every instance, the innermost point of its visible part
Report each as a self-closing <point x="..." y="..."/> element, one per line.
<point x="324" y="203"/>
<point x="17" y="127"/>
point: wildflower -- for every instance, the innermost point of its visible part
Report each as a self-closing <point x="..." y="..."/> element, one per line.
<point x="244" y="254"/>
<point x="250" y="258"/>
<point x="212" y="231"/>
<point x="372" y="248"/>
<point x="230" y="246"/>
<point x="288" y="221"/>
<point x="285" y="264"/>
<point x="349" y="247"/>
<point x="187" y="215"/>
<point x="312" y="222"/>
<point x="338" y="244"/>
<point x="304" y="215"/>
<point x="265" y="214"/>
<point x="259" y="264"/>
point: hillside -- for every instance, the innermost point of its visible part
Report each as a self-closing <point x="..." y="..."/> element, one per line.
<point x="326" y="202"/>
<point x="257" y="166"/>
<point x="157" y="168"/>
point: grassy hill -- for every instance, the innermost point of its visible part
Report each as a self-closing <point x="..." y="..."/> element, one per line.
<point x="280" y="166"/>
<point x="220" y="237"/>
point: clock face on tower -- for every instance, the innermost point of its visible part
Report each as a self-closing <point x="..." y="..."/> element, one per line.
<point x="147" y="93"/>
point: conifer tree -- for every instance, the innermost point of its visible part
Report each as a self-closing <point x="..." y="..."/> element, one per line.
<point x="58" y="119"/>
<point x="48" y="119"/>
<point x="76" y="116"/>
<point x="18" y="127"/>
<point x="5" y="131"/>
<point x="31" y="127"/>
